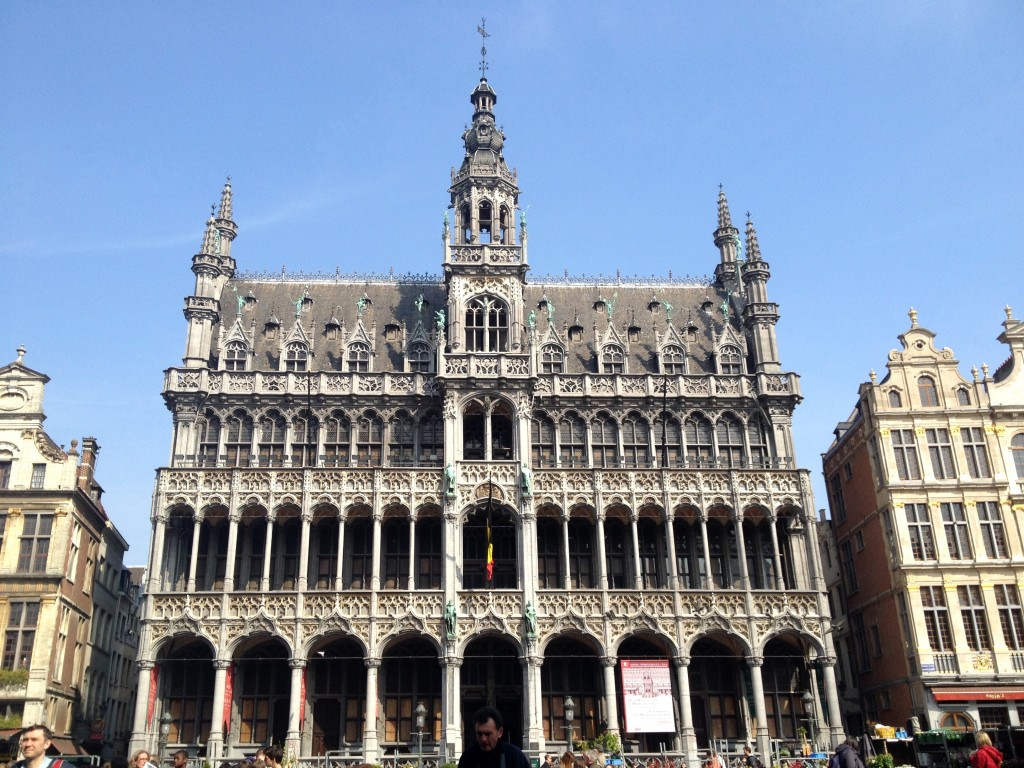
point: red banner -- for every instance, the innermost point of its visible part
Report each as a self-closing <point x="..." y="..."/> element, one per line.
<point x="151" y="705"/>
<point x="229" y="677"/>
<point x="302" y="700"/>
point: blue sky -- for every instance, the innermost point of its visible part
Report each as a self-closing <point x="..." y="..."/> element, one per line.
<point x="877" y="146"/>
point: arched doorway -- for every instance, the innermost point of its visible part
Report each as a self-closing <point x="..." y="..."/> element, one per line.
<point x="716" y="686"/>
<point x="410" y="674"/>
<point x="647" y="648"/>
<point x="571" y="668"/>
<point x="186" y="679"/>
<point x="336" y="681"/>
<point x="262" y="683"/>
<point x="492" y="676"/>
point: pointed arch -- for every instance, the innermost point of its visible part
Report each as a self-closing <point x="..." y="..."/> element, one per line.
<point x="673" y="360"/>
<point x="552" y="358"/>
<point x="542" y="440"/>
<point x="357" y="357"/>
<point x="337" y="431"/>
<point x="487" y="324"/>
<point x="730" y="360"/>
<point x="604" y="440"/>
<point x="271" y="439"/>
<point x="296" y="356"/>
<point x="238" y="439"/>
<point x="208" y="430"/>
<point x="613" y="359"/>
<point x="236" y="356"/>
<point x="636" y="441"/>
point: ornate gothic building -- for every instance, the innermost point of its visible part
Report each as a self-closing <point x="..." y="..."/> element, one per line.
<point x="482" y="488"/>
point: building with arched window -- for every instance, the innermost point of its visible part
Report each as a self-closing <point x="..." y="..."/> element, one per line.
<point x="483" y="487"/>
<point x="926" y="490"/>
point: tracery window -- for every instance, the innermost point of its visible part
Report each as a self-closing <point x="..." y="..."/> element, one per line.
<point x="730" y="361"/>
<point x="757" y="439"/>
<point x="581" y="554"/>
<point x="358" y="562"/>
<point x="324" y="551"/>
<point x="487" y="325"/>
<point x="668" y="436"/>
<point x="673" y="361"/>
<point x="235" y="356"/>
<point x="730" y="441"/>
<point x="429" y="553"/>
<point x="431" y="433"/>
<point x="284" y="555"/>
<point x="551" y="358"/>
<point x="402" y="443"/>
<point x="697" y="433"/>
<point x="927" y="392"/>
<point x="271" y="445"/>
<point x="542" y="441"/>
<point x="209" y="440"/>
<point x="369" y="440"/>
<point x="238" y="440"/>
<point x="604" y="441"/>
<point x="613" y="359"/>
<point x="549" y="547"/>
<point x="304" y="439"/>
<point x="618" y="553"/>
<point x="636" y="438"/>
<point x="296" y="357"/>
<point x="336" y="439"/>
<point x="572" y="441"/>
<point x="358" y="359"/>
<point x="649" y="542"/>
<point x="395" y="553"/>
<point x="504" y="548"/>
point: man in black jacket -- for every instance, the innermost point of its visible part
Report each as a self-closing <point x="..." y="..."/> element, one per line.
<point x="490" y="751"/>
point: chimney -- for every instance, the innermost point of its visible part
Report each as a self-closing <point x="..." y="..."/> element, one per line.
<point x="87" y="467"/>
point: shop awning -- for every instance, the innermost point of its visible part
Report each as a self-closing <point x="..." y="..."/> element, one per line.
<point x="976" y="693"/>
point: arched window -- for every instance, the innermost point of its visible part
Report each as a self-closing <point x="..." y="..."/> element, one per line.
<point x="551" y="358"/>
<point x="572" y="441"/>
<point x="757" y="439"/>
<point x="284" y="554"/>
<point x="358" y="359"/>
<point x="429" y="553"/>
<point x="697" y="433"/>
<point x="235" y="356"/>
<point x="505" y="224"/>
<point x="668" y="438"/>
<point x="1017" y="449"/>
<point x="730" y="442"/>
<point x="730" y="362"/>
<point x="549" y="553"/>
<point x="271" y="445"/>
<point x="487" y="432"/>
<point x="581" y="553"/>
<point x="636" y="442"/>
<point x="542" y="441"/>
<point x="369" y="440"/>
<point x="487" y="325"/>
<point x="673" y="361"/>
<point x="613" y="359"/>
<point x="419" y="358"/>
<point x="895" y="400"/>
<point x="504" y="550"/>
<point x="431" y="429"/>
<point x="465" y="223"/>
<point x="604" y="441"/>
<point x="402" y="443"/>
<point x="296" y="356"/>
<point x="304" y="439"/>
<point x="238" y="439"/>
<point x="337" y="439"/>
<point x="209" y="440"/>
<point x="650" y="542"/>
<point x="963" y="397"/>
<point x="395" y="553"/>
<point x="485" y="221"/>
<point x="927" y="392"/>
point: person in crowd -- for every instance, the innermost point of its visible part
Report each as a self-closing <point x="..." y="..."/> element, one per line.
<point x="986" y="755"/>
<point x="35" y="740"/>
<point x="490" y="750"/>
<point x="847" y="755"/>
<point x="139" y="759"/>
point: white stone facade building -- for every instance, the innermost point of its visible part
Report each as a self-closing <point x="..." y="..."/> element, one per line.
<point x="347" y="450"/>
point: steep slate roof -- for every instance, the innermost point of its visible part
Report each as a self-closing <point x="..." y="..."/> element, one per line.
<point x="638" y="302"/>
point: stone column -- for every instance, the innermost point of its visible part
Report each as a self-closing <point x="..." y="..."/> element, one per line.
<point x="307" y="519"/>
<point x="452" y="704"/>
<point x="602" y="562"/>
<point x="339" y="574"/>
<point x="760" y="715"/>
<point x="370" y="728"/>
<point x="741" y="547"/>
<point x="670" y="541"/>
<point x="197" y="527"/>
<point x="780" y="579"/>
<point x="638" y="581"/>
<point x="411" y="581"/>
<point x="535" y="726"/>
<point x="156" y="575"/>
<point x="567" y="578"/>
<point x="835" y="718"/>
<point x="375" y="562"/>
<point x="215" y="744"/>
<point x="709" y="571"/>
<point x="686" y="711"/>
<point x="295" y="705"/>
<point x="140" y="728"/>
<point x="229" y="566"/>
<point x="611" y="706"/>
<point x="268" y="541"/>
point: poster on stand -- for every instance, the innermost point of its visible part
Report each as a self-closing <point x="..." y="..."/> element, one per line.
<point x="647" y="696"/>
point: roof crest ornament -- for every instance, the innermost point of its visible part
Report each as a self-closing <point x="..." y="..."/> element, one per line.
<point x="484" y="34"/>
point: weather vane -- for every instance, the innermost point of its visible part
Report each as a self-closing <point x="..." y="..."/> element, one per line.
<point x="482" y="29"/>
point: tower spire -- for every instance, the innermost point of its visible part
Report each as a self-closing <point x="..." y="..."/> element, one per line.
<point x="484" y="34"/>
<point x="727" y="239"/>
<point x="753" y="248"/>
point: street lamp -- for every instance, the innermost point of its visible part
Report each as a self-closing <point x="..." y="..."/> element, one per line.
<point x="165" y="732"/>
<point x="812" y="721"/>
<point x="570" y="712"/>
<point x="421" y="721"/>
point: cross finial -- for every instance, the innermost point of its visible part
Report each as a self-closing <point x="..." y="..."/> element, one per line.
<point x="484" y="34"/>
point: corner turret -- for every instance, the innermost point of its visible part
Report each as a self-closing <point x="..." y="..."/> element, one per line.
<point x="759" y="314"/>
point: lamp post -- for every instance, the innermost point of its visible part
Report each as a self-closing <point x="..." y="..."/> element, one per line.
<point x="165" y="732"/>
<point x="812" y="721"/>
<point x="570" y="712"/>
<point x="421" y="721"/>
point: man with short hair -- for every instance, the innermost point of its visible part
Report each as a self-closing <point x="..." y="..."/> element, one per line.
<point x="490" y="750"/>
<point x="35" y="740"/>
<point x="180" y="759"/>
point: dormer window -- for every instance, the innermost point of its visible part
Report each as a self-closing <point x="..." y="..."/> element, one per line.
<point x="486" y="325"/>
<point x="296" y="357"/>
<point x="358" y="357"/>
<point x="613" y="359"/>
<point x="391" y="332"/>
<point x="730" y="362"/>
<point x="235" y="356"/>
<point x="673" y="361"/>
<point x="551" y="359"/>
<point x="576" y="333"/>
<point x="419" y="358"/>
<point x="895" y="400"/>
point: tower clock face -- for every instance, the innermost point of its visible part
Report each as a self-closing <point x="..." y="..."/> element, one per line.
<point x="11" y="400"/>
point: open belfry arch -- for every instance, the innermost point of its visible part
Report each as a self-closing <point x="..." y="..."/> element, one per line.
<point x="481" y="488"/>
